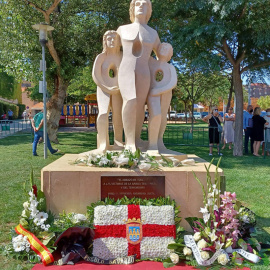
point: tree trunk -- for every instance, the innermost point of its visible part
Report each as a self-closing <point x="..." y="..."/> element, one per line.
<point x="238" y="135"/>
<point x="230" y="97"/>
<point x="54" y="107"/>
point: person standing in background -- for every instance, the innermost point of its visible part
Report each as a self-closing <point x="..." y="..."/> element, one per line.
<point x="214" y="119"/>
<point x="266" y="143"/>
<point x="247" y="126"/>
<point x="37" y="124"/>
<point x="10" y="114"/>
<point x="228" y="128"/>
<point x="258" y="130"/>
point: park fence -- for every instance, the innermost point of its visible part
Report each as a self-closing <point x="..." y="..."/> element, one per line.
<point x="179" y="135"/>
<point x="11" y="127"/>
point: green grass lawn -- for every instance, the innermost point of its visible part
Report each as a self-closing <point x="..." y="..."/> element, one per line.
<point x="248" y="176"/>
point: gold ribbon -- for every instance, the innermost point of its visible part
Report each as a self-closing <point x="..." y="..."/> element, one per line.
<point x="36" y="245"/>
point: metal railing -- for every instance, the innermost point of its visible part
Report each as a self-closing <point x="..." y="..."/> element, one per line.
<point x="10" y="127"/>
<point x="179" y="135"/>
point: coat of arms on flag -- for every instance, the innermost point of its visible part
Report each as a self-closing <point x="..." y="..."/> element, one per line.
<point x="125" y="230"/>
<point x="134" y="231"/>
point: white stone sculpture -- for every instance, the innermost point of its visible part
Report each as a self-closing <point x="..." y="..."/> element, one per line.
<point x="105" y="75"/>
<point x="159" y="98"/>
<point x="138" y="40"/>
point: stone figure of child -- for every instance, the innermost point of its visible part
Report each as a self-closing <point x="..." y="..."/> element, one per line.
<point x="105" y="75"/>
<point x="160" y="96"/>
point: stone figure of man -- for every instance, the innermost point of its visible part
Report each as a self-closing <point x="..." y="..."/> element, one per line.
<point x="159" y="98"/>
<point x="105" y="75"/>
<point x="138" y="40"/>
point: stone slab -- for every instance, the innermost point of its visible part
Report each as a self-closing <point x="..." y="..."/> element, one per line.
<point x="71" y="188"/>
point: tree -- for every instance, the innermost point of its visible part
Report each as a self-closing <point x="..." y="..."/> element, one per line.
<point x="81" y="86"/>
<point x="264" y="102"/>
<point x="198" y="86"/>
<point x="218" y="88"/>
<point x="221" y="34"/>
<point x="76" y="40"/>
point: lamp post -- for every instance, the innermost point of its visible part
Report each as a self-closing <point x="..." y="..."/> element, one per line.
<point x="43" y="29"/>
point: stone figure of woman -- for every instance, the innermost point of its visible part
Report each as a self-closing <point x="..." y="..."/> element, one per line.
<point x="105" y="75"/>
<point x="138" y="40"/>
<point x="159" y="98"/>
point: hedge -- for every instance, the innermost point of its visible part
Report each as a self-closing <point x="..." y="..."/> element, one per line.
<point x="5" y="106"/>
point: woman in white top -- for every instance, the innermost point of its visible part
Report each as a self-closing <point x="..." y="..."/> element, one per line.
<point x="229" y="119"/>
<point x="266" y="143"/>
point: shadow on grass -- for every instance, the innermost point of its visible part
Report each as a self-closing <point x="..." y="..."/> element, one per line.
<point x="264" y="224"/>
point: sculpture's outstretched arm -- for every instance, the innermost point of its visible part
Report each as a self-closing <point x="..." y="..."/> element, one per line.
<point x="172" y="83"/>
<point x="97" y="75"/>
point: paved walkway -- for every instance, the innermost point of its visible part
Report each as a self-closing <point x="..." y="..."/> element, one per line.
<point x="76" y="129"/>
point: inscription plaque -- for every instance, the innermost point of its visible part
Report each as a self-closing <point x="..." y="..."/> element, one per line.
<point x="143" y="187"/>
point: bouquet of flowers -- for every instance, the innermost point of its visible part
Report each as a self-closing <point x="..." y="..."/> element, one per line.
<point x="37" y="229"/>
<point x="128" y="159"/>
<point x="223" y="236"/>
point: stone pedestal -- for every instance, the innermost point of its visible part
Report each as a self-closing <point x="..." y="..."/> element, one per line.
<point x="72" y="188"/>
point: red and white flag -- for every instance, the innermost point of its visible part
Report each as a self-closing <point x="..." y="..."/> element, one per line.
<point x="126" y="230"/>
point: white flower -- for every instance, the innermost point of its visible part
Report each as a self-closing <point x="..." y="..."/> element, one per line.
<point x="197" y="236"/>
<point x="18" y="246"/>
<point x="187" y="251"/>
<point x="218" y="245"/>
<point x="215" y="207"/>
<point x="43" y="227"/>
<point x="144" y="166"/>
<point x="37" y="221"/>
<point x="79" y="217"/>
<point x="121" y="161"/>
<point x="205" y="255"/>
<point x="190" y="162"/>
<point x="210" y="201"/>
<point x="245" y="219"/>
<point x="42" y="216"/>
<point x="222" y="259"/>
<point x="213" y="236"/>
<point x="24" y="213"/>
<point x="206" y="217"/>
<point x="202" y="244"/>
<point x="175" y="161"/>
<point x="174" y="258"/>
<point x="204" y="210"/>
<point x="103" y="161"/>
<point x="25" y="205"/>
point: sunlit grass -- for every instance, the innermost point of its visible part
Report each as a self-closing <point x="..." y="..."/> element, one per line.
<point x="248" y="176"/>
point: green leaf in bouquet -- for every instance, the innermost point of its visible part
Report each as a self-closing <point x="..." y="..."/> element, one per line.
<point x="176" y="246"/>
<point x="46" y="237"/>
<point x="137" y="154"/>
<point x="167" y="263"/>
<point x="191" y="222"/>
<point x="130" y="162"/>
<point x="254" y="243"/>
<point x="42" y="205"/>
<point x="242" y="244"/>
<point x="24" y="223"/>
<point x="265" y="260"/>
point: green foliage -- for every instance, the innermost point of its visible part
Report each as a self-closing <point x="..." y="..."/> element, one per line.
<point x="264" y="102"/>
<point x="5" y="106"/>
<point x="21" y="109"/>
<point x="81" y="86"/>
<point x="9" y="88"/>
